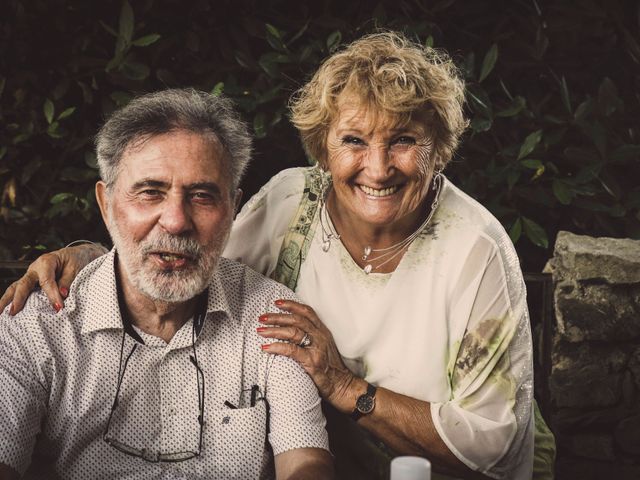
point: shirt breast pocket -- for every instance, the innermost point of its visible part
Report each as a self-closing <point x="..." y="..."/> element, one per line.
<point x="238" y="437"/>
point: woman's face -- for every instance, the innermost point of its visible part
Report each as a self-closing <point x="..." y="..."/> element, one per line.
<point x="381" y="171"/>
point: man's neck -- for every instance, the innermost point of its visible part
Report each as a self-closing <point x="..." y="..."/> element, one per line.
<point x="155" y="317"/>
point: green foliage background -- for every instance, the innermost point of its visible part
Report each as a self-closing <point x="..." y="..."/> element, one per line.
<point x="553" y="97"/>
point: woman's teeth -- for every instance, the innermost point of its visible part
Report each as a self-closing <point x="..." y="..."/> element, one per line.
<point x="383" y="192"/>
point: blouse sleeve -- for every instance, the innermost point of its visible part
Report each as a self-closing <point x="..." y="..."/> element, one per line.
<point x="259" y="228"/>
<point x="487" y="421"/>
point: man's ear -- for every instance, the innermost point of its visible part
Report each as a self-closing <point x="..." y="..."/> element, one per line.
<point x="237" y="202"/>
<point x="102" y="198"/>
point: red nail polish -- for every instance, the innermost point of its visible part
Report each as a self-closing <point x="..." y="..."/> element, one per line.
<point x="261" y="329"/>
<point x="57" y="307"/>
<point x="265" y="346"/>
<point x="64" y="292"/>
<point x="279" y="302"/>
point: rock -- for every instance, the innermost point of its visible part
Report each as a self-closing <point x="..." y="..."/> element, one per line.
<point x="581" y="469"/>
<point x="634" y="366"/>
<point x="572" y="420"/>
<point x="627" y="435"/>
<point x="596" y="312"/>
<point x="590" y="445"/>
<point x="612" y="260"/>
<point x="586" y="375"/>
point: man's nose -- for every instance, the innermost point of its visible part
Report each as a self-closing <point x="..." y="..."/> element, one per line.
<point x="175" y="217"/>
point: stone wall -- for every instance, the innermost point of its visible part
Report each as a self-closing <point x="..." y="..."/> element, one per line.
<point x="595" y="375"/>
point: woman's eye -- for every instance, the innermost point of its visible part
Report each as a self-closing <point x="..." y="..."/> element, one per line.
<point x="404" y="140"/>
<point x="351" y="140"/>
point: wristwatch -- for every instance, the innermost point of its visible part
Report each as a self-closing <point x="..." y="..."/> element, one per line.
<point x="365" y="403"/>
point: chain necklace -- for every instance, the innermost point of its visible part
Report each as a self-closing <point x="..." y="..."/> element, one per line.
<point x="385" y="255"/>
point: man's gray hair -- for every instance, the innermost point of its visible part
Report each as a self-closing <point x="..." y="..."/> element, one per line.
<point x="168" y="111"/>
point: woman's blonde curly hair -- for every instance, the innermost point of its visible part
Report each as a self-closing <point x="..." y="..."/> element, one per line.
<point x="392" y="75"/>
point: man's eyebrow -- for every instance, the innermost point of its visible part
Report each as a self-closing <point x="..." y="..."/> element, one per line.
<point x="147" y="182"/>
<point x="209" y="186"/>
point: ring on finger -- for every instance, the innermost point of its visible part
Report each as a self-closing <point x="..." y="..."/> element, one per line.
<point x="306" y="341"/>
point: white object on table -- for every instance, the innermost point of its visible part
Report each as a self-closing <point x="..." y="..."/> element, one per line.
<point x="410" y="468"/>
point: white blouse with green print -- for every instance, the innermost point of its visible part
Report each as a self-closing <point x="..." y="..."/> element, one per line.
<point x="449" y="326"/>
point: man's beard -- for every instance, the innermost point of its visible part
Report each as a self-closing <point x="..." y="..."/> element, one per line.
<point x="171" y="286"/>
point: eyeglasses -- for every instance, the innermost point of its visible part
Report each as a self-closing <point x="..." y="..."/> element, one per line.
<point x="148" y="454"/>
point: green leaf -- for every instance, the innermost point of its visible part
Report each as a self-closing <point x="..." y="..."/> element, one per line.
<point x="333" y="40"/>
<point x="529" y="144"/>
<point x="217" y="89"/>
<point x="274" y="37"/>
<point x="48" y="110"/>
<point x="108" y="28"/>
<point x="480" y="101"/>
<point x="515" y="231"/>
<point x="608" y="97"/>
<point x="564" y="93"/>
<point x="531" y="163"/>
<point x="259" y="122"/>
<point x="90" y="160"/>
<point x="535" y="233"/>
<point x="517" y="105"/>
<point x="69" y="111"/>
<point x="480" y="124"/>
<point x="489" y="62"/>
<point x="146" y="40"/>
<point x="61" y="197"/>
<point x="3" y="82"/>
<point x="3" y="152"/>
<point x="125" y="26"/>
<point x="53" y="130"/>
<point x="135" y="70"/>
<point x="561" y="191"/>
<point x="429" y="41"/>
<point x="625" y="153"/>
<point x="120" y="98"/>
<point x="273" y="30"/>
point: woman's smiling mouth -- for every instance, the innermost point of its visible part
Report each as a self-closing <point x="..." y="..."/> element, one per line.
<point x="379" y="192"/>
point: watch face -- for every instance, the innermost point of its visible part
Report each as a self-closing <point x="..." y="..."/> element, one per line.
<point x="365" y="403"/>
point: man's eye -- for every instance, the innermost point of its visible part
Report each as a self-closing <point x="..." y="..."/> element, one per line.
<point x="202" y="197"/>
<point x="149" y="193"/>
<point x="351" y="140"/>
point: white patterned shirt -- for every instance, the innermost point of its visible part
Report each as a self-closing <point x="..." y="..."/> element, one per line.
<point x="59" y="374"/>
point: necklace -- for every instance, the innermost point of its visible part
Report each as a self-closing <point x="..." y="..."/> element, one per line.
<point x="385" y="255"/>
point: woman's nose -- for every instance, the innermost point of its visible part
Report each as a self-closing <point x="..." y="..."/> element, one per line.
<point x="379" y="161"/>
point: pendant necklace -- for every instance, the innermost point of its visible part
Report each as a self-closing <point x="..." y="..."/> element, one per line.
<point x="383" y="255"/>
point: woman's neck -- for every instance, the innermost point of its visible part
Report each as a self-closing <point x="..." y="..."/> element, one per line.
<point x="357" y="234"/>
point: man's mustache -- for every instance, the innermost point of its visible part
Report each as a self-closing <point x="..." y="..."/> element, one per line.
<point x="184" y="246"/>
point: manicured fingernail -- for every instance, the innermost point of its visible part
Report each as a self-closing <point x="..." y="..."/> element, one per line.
<point x="11" y="312"/>
<point x="57" y="307"/>
<point x="261" y="329"/>
<point x="263" y="318"/>
<point x="279" y="302"/>
<point x="265" y="346"/>
<point x="64" y="291"/>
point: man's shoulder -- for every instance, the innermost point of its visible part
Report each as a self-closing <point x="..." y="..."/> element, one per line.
<point x="239" y="276"/>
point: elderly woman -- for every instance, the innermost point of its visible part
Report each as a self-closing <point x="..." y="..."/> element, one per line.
<point x="419" y="338"/>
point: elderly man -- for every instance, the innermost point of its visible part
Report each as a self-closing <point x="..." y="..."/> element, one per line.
<point x="154" y="368"/>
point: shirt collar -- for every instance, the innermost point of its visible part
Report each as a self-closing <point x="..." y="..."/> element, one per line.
<point x="96" y="294"/>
